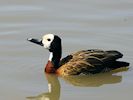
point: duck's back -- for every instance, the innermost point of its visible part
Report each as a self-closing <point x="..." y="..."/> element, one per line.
<point x="90" y="61"/>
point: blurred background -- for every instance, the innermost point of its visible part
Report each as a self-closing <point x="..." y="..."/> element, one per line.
<point x="82" y="24"/>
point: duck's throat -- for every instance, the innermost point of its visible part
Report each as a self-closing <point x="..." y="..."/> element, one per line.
<point x="53" y="63"/>
<point x="50" y="56"/>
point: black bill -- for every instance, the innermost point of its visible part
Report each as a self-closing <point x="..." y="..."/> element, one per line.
<point x="36" y="41"/>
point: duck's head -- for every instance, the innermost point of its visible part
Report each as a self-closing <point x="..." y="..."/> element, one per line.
<point x="49" y="41"/>
<point x="53" y="44"/>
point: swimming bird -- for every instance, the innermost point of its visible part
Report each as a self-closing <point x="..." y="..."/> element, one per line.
<point x="85" y="61"/>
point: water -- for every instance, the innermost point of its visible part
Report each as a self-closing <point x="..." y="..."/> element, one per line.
<point x="82" y="24"/>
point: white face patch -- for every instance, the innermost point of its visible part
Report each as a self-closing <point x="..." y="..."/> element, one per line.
<point x="47" y="39"/>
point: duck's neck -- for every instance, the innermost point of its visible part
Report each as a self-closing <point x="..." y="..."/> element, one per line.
<point x="53" y="62"/>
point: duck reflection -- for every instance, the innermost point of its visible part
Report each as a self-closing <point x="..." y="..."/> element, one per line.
<point x="53" y="89"/>
<point x="96" y="80"/>
<point x="81" y="80"/>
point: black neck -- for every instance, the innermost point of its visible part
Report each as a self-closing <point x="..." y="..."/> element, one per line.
<point x="56" y="58"/>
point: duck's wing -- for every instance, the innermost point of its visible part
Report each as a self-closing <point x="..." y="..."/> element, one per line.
<point x="74" y="56"/>
<point x="65" y="60"/>
<point x="105" y="56"/>
<point x="109" y="59"/>
<point x="112" y="55"/>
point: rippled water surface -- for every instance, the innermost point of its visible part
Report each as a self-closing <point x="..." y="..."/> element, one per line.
<point x="82" y="24"/>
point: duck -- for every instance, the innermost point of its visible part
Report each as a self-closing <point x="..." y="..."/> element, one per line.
<point x="89" y="61"/>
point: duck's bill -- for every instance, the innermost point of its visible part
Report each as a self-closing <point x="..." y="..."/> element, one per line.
<point x="36" y="41"/>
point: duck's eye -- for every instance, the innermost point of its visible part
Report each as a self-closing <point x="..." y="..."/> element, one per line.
<point x="49" y="39"/>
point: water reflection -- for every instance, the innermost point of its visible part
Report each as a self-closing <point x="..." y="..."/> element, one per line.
<point x="81" y="80"/>
<point x="53" y="89"/>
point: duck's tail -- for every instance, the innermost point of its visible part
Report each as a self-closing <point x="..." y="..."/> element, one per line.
<point x="119" y="64"/>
